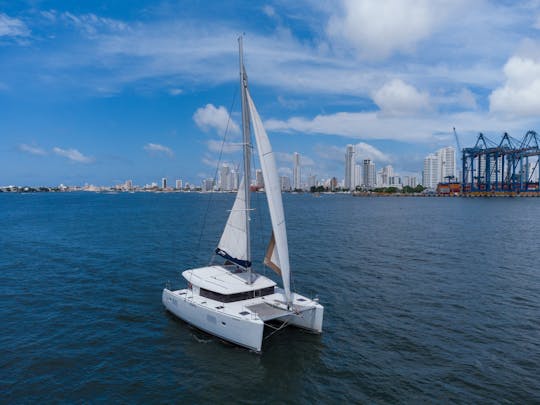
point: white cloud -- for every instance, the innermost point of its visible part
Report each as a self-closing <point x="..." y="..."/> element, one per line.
<point x="175" y="92"/>
<point x="269" y="10"/>
<point x="285" y="157"/>
<point x="33" y="150"/>
<point x="363" y="151"/>
<point x="520" y="95"/>
<point x="92" y="24"/>
<point x="156" y="148"/>
<point x="379" y="28"/>
<point x="12" y="27"/>
<point x="367" y="151"/>
<point x="73" y="154"/>
<point x="220" y="146"/>
<point x="399" y="98"/>
<point x="211" y="117"/>
<point x="285" y="171"/>
<point x="430" y="129"/>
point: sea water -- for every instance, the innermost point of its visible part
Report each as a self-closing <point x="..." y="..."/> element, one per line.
<point x="426" y="300"/>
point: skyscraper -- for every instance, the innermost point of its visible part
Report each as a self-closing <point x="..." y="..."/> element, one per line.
<point x="431" y="172"/>
<point x="285" y="183"/>
<point x="349" y="167"/>
<point x="312" y="181"/>
<point x="440" y="167"/>
<point x="296" y="172"/>
<point x="259" y="181"/>
<point x="164" y="183"/>
<point x="357" y="175"/>
<point x="178" y="184"/>
<point x="369" y="173"/>
<point x="447" y="157"/>
<point x="225" y="178"/>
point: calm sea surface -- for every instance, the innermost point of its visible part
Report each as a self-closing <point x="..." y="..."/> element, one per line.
<point x="426" y="300"/>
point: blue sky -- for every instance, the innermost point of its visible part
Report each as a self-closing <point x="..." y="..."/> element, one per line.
<point x="100" y="92"/>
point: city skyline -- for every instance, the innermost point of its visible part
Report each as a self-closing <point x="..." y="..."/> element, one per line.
<point x="99" y="93"/>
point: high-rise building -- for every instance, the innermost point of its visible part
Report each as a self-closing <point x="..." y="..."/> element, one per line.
<point x="369" y="174"/>
<point x="349" y="167"/>
<point x="357" y="175"/>
<point x="208" y="185"/>
<point x="259" y="181"/>
<point x="164" y="183"/>
<point x="431" y="172"/>
<point x="312" y="181"/>
<point x="297" y="176"/>
<point x="285" y="183"/>
<point x="440" y="167"/>
<point x="225" y="178"/>
<point x="386" y="174"/>
<point x="447" y="157"/>
<point x="178" y="184"/>
<point x="235" y="179"/>
<point x="409" y="181"/>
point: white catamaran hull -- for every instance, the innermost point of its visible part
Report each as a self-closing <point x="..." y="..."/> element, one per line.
<point x="241" y="331"/>
<point x="244" y="330"/>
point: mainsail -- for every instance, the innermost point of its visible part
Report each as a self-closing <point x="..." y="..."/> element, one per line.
<point x="233" y="244"/>
<point x="279" y="255"/>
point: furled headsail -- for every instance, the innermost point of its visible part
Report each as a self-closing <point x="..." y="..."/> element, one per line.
<point x="233" y="244"/>
<point x="273" y="196"/>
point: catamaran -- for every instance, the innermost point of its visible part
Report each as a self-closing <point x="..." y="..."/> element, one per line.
<point x="231" y="300"/>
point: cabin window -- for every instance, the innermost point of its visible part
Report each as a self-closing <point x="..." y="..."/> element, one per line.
<point x="235" y="297"/>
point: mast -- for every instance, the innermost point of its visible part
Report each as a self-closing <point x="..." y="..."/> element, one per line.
<point x="247" y="148"/>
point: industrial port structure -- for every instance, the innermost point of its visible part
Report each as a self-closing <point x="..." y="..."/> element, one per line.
<point x="505" y="168"/>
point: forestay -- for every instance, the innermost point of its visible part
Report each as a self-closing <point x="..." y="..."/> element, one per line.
<point x="280" y="253"/>
<point x="233" y="243"/>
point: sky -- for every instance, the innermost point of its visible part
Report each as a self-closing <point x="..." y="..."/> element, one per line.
<point x="100" y="92"/>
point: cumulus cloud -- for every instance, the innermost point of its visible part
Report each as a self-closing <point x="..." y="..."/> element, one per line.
<point x="33" y="150"/>
<point x="399" y="98"/>
<point x="211" y="117"/>
<point x="73" y="154"/>
<point x="367" y="151"/>
<point x="520" y="94"/>
<point x="156" y="148"/>
<point x="363" y="151"/>
<point x="378" y="28"/>
<point x="12" y="27"/>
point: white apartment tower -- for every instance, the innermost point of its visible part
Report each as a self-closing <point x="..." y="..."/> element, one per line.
<point x="357" y="175"/>
<point x="164" y="183"/>
<point x="369" y="174"/>
<point x="431" y="172"/>
<point x="447" y="158"/>
<point x="297" y="175"/>
<point x="259" y="181"/>
<point x="349" y="167"/>
<point x="225" y="178"/>
<point x="439" y="167"/>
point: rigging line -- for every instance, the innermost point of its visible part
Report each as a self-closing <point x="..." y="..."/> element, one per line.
<point x="216" y="173"/>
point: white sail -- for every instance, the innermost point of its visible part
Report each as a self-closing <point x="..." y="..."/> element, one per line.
<point x="233" y="244"/>
<point x="280" y="252"/>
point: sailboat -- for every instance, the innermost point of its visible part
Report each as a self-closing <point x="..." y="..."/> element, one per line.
<point x="231" y="300"/>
